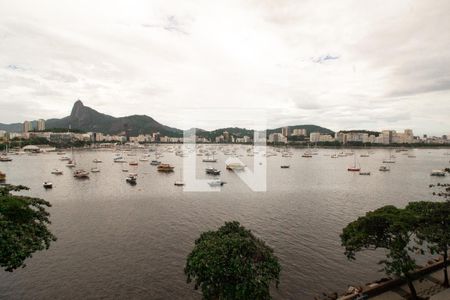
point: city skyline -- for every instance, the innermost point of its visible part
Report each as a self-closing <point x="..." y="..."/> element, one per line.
<point x="345" y="65"/>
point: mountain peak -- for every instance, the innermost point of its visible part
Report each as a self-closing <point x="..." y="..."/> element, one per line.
<point x="78" y="103"/>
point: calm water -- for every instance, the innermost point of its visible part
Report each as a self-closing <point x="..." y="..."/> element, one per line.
<point x="117" y="240"/>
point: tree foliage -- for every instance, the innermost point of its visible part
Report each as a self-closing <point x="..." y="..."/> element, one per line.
<point x="389" y="228"/>
<point x="23" y="227"/>
<point x="433" y="227"/>
<point x="231" y="263"/>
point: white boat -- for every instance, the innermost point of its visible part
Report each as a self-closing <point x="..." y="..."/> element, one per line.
<point x="439" y="173"/>
<point x="70" y="164"/>
<point x="119" y="159"/>
<point x="235" y="166"/>
<point x="81" y="174"/>
<point x="384" y="169"/>
<point x="144" y="159"/>
<point x="47" y="185"/>
<point x="57" y="172"/>
<point x="210" y="159"/>
<point x="131" y="178"/>
<point x="64" y="158"/>
<point x="214" y="183"/>
<point x="155" y="163"/>
<point x="97" y="161"/>
<point x="212" y="171"/>
<point x="364" y="173"/>
<point x="95" y="170"/>
<point x="5" y="158"/>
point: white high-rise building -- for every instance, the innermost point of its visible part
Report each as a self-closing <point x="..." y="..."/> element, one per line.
<point x="41" y="125"/>
<point x="26" y="127"/>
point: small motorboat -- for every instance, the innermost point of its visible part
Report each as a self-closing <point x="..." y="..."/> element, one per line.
<point x="212" y="171"/>
<point x="155" y="163"/>
<point x="439" y="173"/>
<point x="131" y="178"/>
<point x="215" y="183"/>
<point x="48" y="185"/>
<point x="57" y="172"/>
<point x="5" y="158"/>
<point x="81" y="174"/>
<point x="119" y="160"/>
<point x="97" y="161"/>
<point x="235" y="166"/>
<point x="388" y="161"/>
<point x="70" y="164"/>
<point x="165" y="168"/>
<point x="210" y="160"/>
<point x="143" y="159"/>
<point x="179" y="183"/>
<point x="95" y="170"/>
<point x="285" y="166"/>
<point x="64" y="158"/>
<point x="353" y="169"/>
<point x="133" y="163"/>
<point x="364" y="173"/>
<point x="384" y="169"/>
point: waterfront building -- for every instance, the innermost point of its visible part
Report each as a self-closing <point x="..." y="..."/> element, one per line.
<point x="40" y="125"/>
<point x="299" y="132"/>
<point x="226" y="137"/>
<point x="285" y="131"/>
<point x="220" y="139"/>
<point x="277" y="138"/>
<point x="326" y="138"/>
<point x="314" y="137"/>
<point x="26" y="127"/>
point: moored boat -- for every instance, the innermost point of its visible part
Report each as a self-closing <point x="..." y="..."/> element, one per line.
<point x="439" y="173"/>
<point x="2" y="176"/>
<point x="384" y="169"/>
<point x="165" y="168"/>
<point x="212" y="171"/>
<point x="5" y="158"/>
<point x="131" y="178"/>
<point x="81" y="174"/>
<point x="235" y="166"/>
<point x="215" y="183"/>
<point x="47" y="185"/>
<point x="57" y="172"/>
<point x="70" y="164"/>
<point x="155" y="163"/>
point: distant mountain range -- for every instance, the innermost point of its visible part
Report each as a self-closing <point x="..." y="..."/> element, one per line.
<point x="87" y="119"/>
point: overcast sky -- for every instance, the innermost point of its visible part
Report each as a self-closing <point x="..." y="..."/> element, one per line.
<point x="338" y="64"/>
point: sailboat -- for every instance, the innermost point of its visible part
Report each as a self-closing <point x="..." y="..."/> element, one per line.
<point x="208" y="159"/>
<point x="5" y="157"/>
<point x="354" y="168"/>
<point x="71" y="162"/>
<point x="179" y="181"/>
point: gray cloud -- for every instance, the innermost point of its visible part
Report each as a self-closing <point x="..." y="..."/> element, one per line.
<point x="345" y="64"/>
